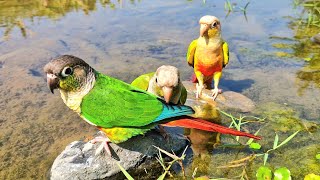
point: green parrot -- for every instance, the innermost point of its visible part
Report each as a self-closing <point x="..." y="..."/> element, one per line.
<point x="165" y="82"/>
<point x="208" y="55"/>
<point x="118" y="109"/>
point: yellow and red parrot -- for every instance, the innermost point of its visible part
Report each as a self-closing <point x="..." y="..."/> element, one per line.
<point x="208" y="55"/>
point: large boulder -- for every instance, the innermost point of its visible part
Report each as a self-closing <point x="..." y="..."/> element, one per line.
<point x="78" y="160"/>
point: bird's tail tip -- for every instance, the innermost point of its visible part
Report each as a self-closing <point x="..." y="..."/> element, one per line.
<point x="201" y="124"/>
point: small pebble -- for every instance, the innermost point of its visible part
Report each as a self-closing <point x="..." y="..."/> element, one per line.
<point x="316" y="38"/>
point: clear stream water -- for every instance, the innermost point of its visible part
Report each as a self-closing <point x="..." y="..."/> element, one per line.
<point x="127" y="38"/>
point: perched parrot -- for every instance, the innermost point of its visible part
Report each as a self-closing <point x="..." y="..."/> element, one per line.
<point x="118" y="109"/>
<point x="165" y="82"/>
<point x="208" y="55"/>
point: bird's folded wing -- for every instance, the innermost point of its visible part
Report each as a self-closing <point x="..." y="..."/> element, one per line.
<point x="191" y="51"/>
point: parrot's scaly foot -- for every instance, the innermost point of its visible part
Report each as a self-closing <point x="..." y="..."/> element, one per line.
<point x="199" y="90"/>
<point x="104" y="144"/>
<point x="215" y="93"/>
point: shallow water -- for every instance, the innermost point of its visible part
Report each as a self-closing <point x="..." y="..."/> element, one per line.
<point x="127" y="38"/>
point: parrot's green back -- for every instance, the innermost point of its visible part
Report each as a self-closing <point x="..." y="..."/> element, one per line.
<point x="129" y="105"/>
<point x="142" y="82"/>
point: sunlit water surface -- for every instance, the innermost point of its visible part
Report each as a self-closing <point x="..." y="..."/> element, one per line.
<point x="127" y="38"/>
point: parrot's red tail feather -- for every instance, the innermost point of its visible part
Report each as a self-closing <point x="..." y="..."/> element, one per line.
<point x="195" y="123"/>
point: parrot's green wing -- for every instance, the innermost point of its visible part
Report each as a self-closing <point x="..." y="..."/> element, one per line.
<point x="225" y="49"/>
<point x="183" y="97"/>
<point x="191" y="51"/>
<point x="142" y="82"/>
<point x="113" y="103"/>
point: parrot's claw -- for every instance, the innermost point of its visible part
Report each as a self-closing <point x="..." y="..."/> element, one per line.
<point x="215" y="93"/>
<point x="199" y="90"/>
<point x="104" y="144"/>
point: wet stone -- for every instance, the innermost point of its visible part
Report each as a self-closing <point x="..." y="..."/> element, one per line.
<point x="78" y="160"/>
<point x="225" y="100"/>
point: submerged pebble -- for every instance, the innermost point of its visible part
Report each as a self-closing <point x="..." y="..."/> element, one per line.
<point x="316" y="38"/>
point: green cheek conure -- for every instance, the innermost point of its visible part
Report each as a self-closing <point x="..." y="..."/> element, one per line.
<point x="208" y="55"/>
<point x="165" y="82"/>
<point x="118" y="109"/>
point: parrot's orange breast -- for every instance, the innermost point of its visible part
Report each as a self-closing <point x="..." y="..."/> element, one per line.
<point x="208" y="61"/>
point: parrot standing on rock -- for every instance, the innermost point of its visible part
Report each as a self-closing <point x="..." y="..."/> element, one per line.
<point x="165" y="82"/>
<point x="208" y="55"/>
<point x="118" y="109"/>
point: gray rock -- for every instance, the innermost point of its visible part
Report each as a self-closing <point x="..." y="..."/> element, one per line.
<point x="78" y="160"/>
<point x="225" y="100"/>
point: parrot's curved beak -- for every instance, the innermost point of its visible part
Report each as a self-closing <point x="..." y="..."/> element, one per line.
<point x="52" y="81"/>
<point x="203" y="28"/>
<point x="167" y="93"/>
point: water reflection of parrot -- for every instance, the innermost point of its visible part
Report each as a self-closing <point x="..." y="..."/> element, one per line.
<point x="165" y="82"/>
<point x="208" y="55"/>
<point x="118" y="109"/>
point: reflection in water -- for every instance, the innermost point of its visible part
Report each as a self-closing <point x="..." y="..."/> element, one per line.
<point x="309" y="76"/>
<point x="14" y="12"/>
<point x="302" y="47"/>
<point x="308" y="50"/>
<point x="202" y="142"/>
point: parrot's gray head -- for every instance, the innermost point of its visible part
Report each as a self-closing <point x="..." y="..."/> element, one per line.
<point x="68" y="73"/>
<point x="168" y="79"/>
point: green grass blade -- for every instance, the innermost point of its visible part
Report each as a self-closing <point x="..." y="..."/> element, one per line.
<point x="275" y="142"/>
<point x="167" y="153"/>
<point x="128" y="176"/>
<point x="309" y="18"/>
<point x="288" y="139"/>
<point x="265" y="158"/>
<point x="245" y="7"/>
<point x="308" y="5"/>
<point x="162" y="176"/>
<point x="161" y="163"/>
<point x="251" y="139"/>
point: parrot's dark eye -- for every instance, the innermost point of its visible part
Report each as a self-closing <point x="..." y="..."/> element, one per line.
<point x="156" y="80"/>
<point x="66" y="71"/>
<point x="213" y="25"/>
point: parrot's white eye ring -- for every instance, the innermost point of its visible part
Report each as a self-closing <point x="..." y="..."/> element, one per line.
<point x="67" y="71"/>
<point x="213" y="25"/>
